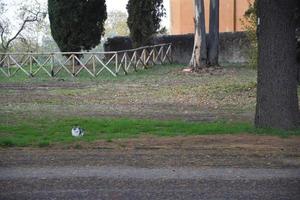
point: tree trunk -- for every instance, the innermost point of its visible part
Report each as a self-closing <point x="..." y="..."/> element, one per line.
<point x="298" y="39"/>
<point x="213" y="43"/>
<point x="199" y="57"/>
<point x="277" y="99"/>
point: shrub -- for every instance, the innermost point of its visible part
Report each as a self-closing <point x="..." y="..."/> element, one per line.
<point x="144" y="19"/>
<point x="77" y="24"/>
<point x="249" y="23"/>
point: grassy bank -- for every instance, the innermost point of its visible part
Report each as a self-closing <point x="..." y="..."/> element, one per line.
<point x="46" y="132"/>
<point x="36" y="111"/>
<point x="160" y="92"/>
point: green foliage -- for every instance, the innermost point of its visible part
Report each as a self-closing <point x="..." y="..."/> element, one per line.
<point x="29" y="18"/>
<point x="144" y="19"/>
<point x="250" y="25"/>
<point x="116" y="24"/>
<point x="77" y="24"/>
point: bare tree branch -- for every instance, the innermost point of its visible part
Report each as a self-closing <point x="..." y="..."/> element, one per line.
<point x="27" y="20"/>
<point x="2" y="35"/>
<point x="29" y="16"/>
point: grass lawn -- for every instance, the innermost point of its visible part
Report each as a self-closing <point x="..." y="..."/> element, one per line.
<point x="41" y="111"/>
<point x="160" y="90"/>
<point x="50" y="131"/>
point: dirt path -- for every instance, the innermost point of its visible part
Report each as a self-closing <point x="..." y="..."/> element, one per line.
<point x="207" y="167"/>
<point x="123" y="172"/>
<point x="136" y="183"/>
<point x="201" y="151"/>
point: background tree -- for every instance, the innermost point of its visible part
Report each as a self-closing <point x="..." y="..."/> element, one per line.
<point x="213" y="39"/>
<point x="249" y="23"/>
<point x="206" y="50"/>
<point x="28" y="16"/>
<point x="144" y="19"/>
<point x="77" y="24"/>
<point x="277" y="100"/>
<point x="298" y="38"/>
<point x="116" y="24"/>
<point x="199" y="56"/>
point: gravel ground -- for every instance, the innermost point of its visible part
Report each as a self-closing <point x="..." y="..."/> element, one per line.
<point x="206" y="167"/>
<point x="133" y="183"/>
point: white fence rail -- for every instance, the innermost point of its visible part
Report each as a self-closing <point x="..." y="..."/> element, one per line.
<point x="93" y="63"/>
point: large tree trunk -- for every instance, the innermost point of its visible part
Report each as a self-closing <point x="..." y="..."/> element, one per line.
<point x="213" y="44"/>
<point x="199" y="57"/>
<point x="298" y="38"/>
<point x="277" y="100"/>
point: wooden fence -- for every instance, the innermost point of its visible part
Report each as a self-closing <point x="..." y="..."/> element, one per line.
<point x="94" y="63"/>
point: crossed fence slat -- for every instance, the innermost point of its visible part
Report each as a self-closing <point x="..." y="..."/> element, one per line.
<point x="41" y="66"/>
<point x="31" y="64"/>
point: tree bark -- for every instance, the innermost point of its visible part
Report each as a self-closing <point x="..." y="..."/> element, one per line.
<point x="298" y="39"/>
<point x="199" y="56"/>
<point x="213" y="44"/>
<point x="277" y="99"/>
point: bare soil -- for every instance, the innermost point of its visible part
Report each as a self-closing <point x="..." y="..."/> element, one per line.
<point x="242" y="151"/>
<point x="160" y="93"/>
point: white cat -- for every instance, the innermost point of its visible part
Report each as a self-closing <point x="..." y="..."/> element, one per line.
<point x="77" y="132"/>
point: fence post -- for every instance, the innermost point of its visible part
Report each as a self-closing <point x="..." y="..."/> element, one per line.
<point x="148" y="55"/>
<point x="162" y="55"/>
<point x="52" y="64"/>
<point x="117" y="69"/>
<point x="125" y="54"/>
<point x="154" y="55"/>
<point x="171" y="53"/>
<point x="135" y="61"/>
<point x="30" y="66"/>
<point x="8" y="66"/>
<point x="145" y="57"/>
<point x="73" y="64"/>
<point x="94" y="65"/>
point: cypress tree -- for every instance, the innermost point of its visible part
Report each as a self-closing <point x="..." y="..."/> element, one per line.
<point x="77" y="24"/>
<point x="144" y="19"/>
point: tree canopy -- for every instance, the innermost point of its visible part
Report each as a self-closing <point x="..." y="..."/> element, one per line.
<point x="77" y="24"/>
<point x="116" y="24"/>
<point x="144" y="19"/>
<point x="29" y="17"/>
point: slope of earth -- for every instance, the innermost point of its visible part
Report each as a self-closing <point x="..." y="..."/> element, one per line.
<point x="162" y="92"/>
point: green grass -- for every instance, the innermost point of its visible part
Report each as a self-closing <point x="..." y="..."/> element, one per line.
<point x="46" y="132"/>
<point x="232" y="93"/>
<point x="84" y="76"/>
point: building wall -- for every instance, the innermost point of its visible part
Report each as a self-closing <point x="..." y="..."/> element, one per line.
<point x="231" y="13"/>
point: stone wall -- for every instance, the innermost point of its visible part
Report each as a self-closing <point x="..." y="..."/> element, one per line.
<point x="233" y="46"/>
